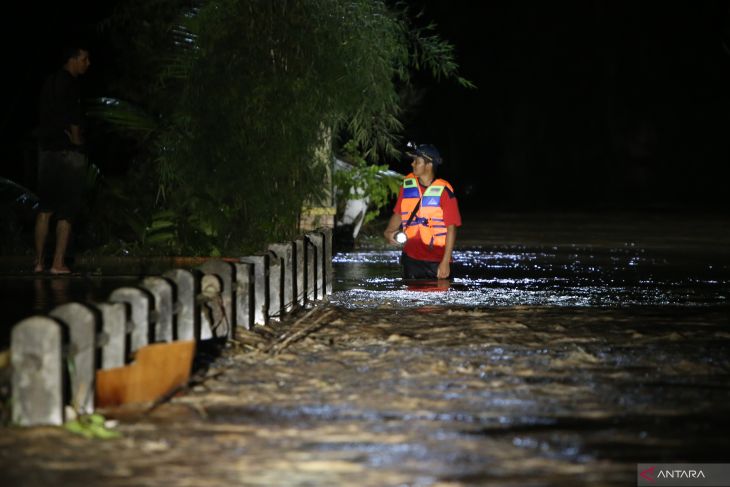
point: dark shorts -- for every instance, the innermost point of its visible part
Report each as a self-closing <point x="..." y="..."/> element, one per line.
<point x="61" y="179"/>
<point x="418" y="269"/>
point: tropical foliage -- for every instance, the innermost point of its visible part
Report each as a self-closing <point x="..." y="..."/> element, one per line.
<point x="232" y="107"/>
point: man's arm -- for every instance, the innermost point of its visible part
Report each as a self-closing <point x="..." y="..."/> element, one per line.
<point x="444" y="269"/>
<point x="392" y="229"/>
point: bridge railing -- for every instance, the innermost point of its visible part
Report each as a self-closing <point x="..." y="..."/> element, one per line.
<point x="55" y="357"/>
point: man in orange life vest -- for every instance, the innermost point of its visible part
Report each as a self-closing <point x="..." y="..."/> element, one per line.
<point x="428" y="213"/>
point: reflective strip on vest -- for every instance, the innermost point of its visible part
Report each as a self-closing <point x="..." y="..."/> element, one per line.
<point x="410" y="189"/>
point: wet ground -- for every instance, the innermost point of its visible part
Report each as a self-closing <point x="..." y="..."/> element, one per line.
<point x="560" y="355"/>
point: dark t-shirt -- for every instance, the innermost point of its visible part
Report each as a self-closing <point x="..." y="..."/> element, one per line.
<point x="59" y="108"/>
<point x="414" y="247"/>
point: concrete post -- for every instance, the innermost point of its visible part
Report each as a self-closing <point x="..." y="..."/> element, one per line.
<point x="316" y="246"/>
<point x="299" y="272"/>
<point x="329" y="273"/>
<point x="225" y="324"/>
<point x="211" y="309"/>
<point x="138" y="303"/>
<point x="81" y="355"/>
<point x="276" y="304"/>
<point x="161" y="291"/>
<point x="285" y="252"/>
<point x="243" y="295"/>
<point x="310" y="271"/>
<point x="186" y="324"/>
<point x="114" y="325"/>
<point x="37" y="364"/>
<point x="261" y="286"/>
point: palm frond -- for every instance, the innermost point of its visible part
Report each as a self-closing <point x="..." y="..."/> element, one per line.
<point x="124" y="116"/>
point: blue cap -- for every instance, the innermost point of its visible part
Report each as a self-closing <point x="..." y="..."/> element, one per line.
<point x="427" y="151"/>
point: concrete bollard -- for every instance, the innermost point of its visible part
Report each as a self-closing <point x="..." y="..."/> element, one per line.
<point x="210" y="307"/>
<point x="243" y="295"/>
<point x="81" y="321"/>
<point x="285" y="252"/>
<point x="261" y="286"/>
<point x="187" y="327"/>
<point x="219" y="313"/>
<point x="37" y="381"/>
<point x="329" y="273"/>
<point x="114" y="325"/>
<point x="299" y="272"/>
<point x="316" y="246"/>
<point x="253" y="291"/>
<point x="276" y="278"/>
<point x="138" y="303"/>
<point x="310" y="271"/>
<point x="161" y="291"/>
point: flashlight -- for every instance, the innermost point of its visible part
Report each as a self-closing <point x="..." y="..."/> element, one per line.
<point x="400" y="237"/>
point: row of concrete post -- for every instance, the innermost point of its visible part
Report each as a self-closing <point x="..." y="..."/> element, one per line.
<point x="55" y="356"/>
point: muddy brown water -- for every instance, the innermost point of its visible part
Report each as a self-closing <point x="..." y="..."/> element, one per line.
<point x="556" y="357"/>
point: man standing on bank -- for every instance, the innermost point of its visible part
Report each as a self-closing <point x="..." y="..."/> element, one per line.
<point x="428" y="213"/>
<point x="61" y="158"/>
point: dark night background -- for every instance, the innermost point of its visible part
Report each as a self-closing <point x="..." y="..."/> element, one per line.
<point x="585" y="105"/>
<point x="579" y="105"/>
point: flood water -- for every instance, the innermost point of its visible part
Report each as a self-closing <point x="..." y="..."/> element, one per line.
<point x="560" y="354"/>
<point x="524" y="276"/>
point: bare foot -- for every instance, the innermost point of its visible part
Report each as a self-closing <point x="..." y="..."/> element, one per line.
<point x="38" y="268"/>
<point x="60" y="270"/>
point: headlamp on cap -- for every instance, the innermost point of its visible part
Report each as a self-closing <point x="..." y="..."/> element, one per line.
<point x="429" y="152"/>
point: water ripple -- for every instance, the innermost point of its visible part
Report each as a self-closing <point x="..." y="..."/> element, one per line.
<point x="572" y="276"/>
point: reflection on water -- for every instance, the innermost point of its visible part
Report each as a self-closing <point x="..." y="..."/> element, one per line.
<point x="555" y="276"/>
<point x="50" y="293"/>
<point x="24" y="296"/>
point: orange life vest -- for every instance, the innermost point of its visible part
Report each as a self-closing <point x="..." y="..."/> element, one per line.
<point x="429" y="219"/>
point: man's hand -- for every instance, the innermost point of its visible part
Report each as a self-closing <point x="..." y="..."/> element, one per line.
<point x="444" y="270"/>
<point x="390" y="236"/>
<point x="74" y="135"/>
